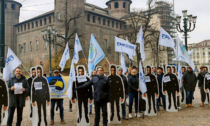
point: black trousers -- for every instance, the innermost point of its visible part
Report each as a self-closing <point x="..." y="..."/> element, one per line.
<point x="70" y="104"/>
<point x="204" y="95"/>
<point x="113" y="101"/>
<point x="85" y="103"/>
<point x="98" y="107"/>
<point x="151" y="98"/>
<point x="182" y="100"/>
<point x="173" y="94"/>
<point x="42" y="105"/>
<point x="0" y="113"/>
<point x="11" y="115"/>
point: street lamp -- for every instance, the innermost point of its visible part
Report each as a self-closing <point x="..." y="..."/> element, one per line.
<point x="188" y="19"/>
<point x="49" y="35"/>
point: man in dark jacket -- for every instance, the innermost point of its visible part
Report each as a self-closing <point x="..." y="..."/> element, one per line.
<point x="189" y="82"/>
<point x="201" y="77"/>
<point x="30" y="79"/>
<point x="17" y="98"/>
<point x="171" y="86"/>
<point x="152" y="88"/>
<point x="133" y="86"/>
<point x="125" y="81"/>
<point x="116" y="91"/>
<point x="207" y="84"/>
<point x="102" y="94"/>
<point x="160" y="75"/>
<point x="82" y="95"/>
<point x="3" y="97"/>
<point x="40" y="95"/>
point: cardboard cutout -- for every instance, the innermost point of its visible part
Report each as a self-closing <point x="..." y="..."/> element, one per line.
<point x="152" y="92"/>
<point x="117" y="93"/>
<point x="170" y="87"/>
<point x="40" y="98"/>
<point x="4" y="102"/>
<point x="83" y="97"/>
<point x="174" y="71"/>
<point x="182" y="91"/>
<point x="207" y="86"/>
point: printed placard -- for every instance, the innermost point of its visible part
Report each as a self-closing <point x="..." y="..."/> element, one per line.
<point x="208" y="77"/>
<point x="166" y="79"/>
<point x="18" y="88"/>
<point x="147" y="79"/>
<point x="38" y="85"/>
<point x="81" y="79"/>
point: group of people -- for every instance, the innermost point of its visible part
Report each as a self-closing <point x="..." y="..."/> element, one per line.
<point x="113" y="89"/>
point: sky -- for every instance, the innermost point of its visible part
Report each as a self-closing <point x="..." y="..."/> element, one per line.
<point x="198" y="8"/>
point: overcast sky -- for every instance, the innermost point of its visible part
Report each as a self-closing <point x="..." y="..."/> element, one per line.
<point x="198" y="8"/>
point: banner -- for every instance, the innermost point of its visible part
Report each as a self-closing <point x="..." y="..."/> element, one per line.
<point x="142" y="84"/>
<point x="165" y="39"/>
<point x="123" y="62"/>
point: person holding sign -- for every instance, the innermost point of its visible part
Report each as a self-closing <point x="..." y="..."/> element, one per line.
<point x="189" y="82"/>
<point x="40" y="94"/>
<point x="82" y="95"/>
<point x="18" y="91"/>
<point x="117" y="91"/>
<point x="3" y="97"/>
<point x="152" y="89"/>
<point x="170" y="87"/>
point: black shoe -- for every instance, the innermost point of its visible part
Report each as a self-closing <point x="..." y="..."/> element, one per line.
<point x="119" y="119"/>
<point x="90" y="113"/>
<point x="111" y="119"/>
<point x="175" y="106"/>
<point x="169" y="107"/>
<point x="149" y="110"/>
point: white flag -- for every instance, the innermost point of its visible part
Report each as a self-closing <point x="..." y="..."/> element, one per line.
<point x="123" y="63"/>
<point x="142" y="84"/>
<point x="122" y="45"/>
<point x="190" y="52"/>
<point x="72" y="78"/>
<point x="12" y="62"/>
<point x="165" y="39"/>
<point x="65" y="57"/>
<point x="77" y="48"/>
<point x="180" y="75"/>
<point x="140" y="40"/>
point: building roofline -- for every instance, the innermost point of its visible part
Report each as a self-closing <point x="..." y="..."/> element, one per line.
<point x="107" y="3"/>
<point x="14" y="2"/>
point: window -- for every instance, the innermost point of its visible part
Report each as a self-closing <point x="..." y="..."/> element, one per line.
<point x="112" y="24"/>
<point x="198" y="54"/>
<point x="20" y="50"/>
<point x="104" y="21"/>
<point x="31" y="47"/>
<point x="99" y="20"/>
<point x="32" y="24"/>
<point x="45" y="45"/>
<point x="105" y="44"/>
<point x="116" y="5"/>
<point x="40" y="22"/>
<point x="124" y="4"/>
<point x="28" y="26"/>
<point x="5" y="6"/>
<point x="94" y="19"/>
<point x="108" y="22"/>
<point x="50" y="20"/>
<point x="21" y="28"/>
<point x="58" y="15"/>
<point x="120" y="26"/>
<point x="117" y="25"/>
<point x="24" y="27"/>
<point x="13" y="6"/>
<point x="24" y="47"/>
<point x="88" y="18"/>
<point x="110" y="6"/>
<point x="37" y="45"/>
<point x="36" y="23"/>
<point x="45" y="21"/>
<point x="209" y="53"/>
<point x="204" y="53"/>
<point x="18" y="29"/>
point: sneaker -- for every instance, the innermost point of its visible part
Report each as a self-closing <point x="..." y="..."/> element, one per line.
<point x="137" y="115"/>
<point x="209" y="104"/>
<point x="187" y="105"/>
<point x="63" y="122"/>
<point x="179" y="108"/>
<point x="52" y="122"/>
<point x="202" y="105"/>
<point x="130" y="116"/>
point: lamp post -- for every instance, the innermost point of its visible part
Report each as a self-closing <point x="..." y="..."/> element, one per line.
<point x="188" y="21"/>
<point x="48" y="38"/>
<point x="2" y="34"/>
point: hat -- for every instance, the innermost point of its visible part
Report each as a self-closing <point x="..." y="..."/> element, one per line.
<point x="201" y="67"/>
<point x="56" y="71"/>
<point x="120" y="69"/>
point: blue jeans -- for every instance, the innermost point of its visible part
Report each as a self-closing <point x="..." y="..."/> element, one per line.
<point x="189" y="96"/>
<point x="131" y="97"/>
<point x="60" y="105"/>
<point x="123" y="106"/>
<point x="91" y="108"/>
<point x="163" y="100"/>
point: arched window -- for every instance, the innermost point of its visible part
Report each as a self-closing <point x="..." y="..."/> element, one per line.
<point x="116" y="5"/>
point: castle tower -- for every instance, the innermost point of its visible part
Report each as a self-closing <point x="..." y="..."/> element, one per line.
<point x="119" y="8"/>
<point x="12" y="13"/>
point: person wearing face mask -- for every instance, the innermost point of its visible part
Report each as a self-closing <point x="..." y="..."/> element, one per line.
<point x="102" y="94"/>
<point x="17" y="98"/>
<point x="133" y="85"/>
<point x="189" y="82"/>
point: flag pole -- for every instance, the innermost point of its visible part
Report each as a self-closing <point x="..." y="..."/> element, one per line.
<point x="25" y="69"/>
<point x="107" y="60"/>
<point x="85" y="57"/>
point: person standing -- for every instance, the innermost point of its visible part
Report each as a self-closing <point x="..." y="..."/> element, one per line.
<point x="59" y="102"/>
<point x="133" y="86"/>
<point x="160" y="75"/>
<point x="102" y="94"/>
<point x="189" y="82"/>
<point x="182" y="90"/>
<point x="17" y="98"/>
<point x="201" y="77"/>
<point x="30" y="79"/>
<point x="3" y="97"/>
<point x="125" y="81"/>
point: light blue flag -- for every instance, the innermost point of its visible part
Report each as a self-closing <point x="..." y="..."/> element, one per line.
<point x="140" y="40"/>
<point x="77" y="48"/>
<point x="72" y="78"/>
<point x="65" y="57"/>
<point x="96" y="54"/>
<point x="142" y="84"/>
